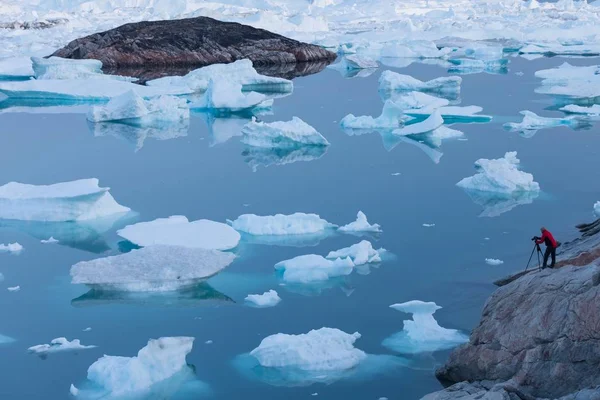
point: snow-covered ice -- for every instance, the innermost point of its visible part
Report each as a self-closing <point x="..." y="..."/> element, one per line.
<point x="493" y="261"/>
<point x="422" y="334"/>
<point x="393" y="81"/>
<point x="177" y="230"/>
<point x="153" y="268"/>
<point x="267" y="299"/>
<point x="593" y="110"/>
<point x="408" y="101"/>
<point x="360" y="225"/>
<point x="15" y="68"/>
<point x="131" y="105"/>
<point x="532" y="123"/>
<point x="432" y="122"/>
<point x="240" y="72"/>
<point x="279" y="224"/>
<point x="391" y="117"/>
<point x="59" y="344"/>
<point x="360" y="253"/>
<point x="570" y="81"/>
<point x="501" y="175"/>
<point x="11" y="248"/>
<point x="223" y="96"/>
<point x="79" y="200"/>
<point x="313" y="268"/>
<point x="282" y="134"/>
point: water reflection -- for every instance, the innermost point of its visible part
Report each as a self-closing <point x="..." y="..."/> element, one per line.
<point x="257" y="157"/>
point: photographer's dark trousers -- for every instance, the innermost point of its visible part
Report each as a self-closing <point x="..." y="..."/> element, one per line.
<point x="550" y="251"/>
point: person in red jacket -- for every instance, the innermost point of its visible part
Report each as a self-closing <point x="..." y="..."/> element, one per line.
<point x="551" y="246"/>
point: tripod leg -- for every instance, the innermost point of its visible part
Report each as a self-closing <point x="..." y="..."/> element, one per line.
<point x="530" y="257"/>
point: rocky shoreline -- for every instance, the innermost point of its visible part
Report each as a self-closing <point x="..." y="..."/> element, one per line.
<point x="539" y="336"/>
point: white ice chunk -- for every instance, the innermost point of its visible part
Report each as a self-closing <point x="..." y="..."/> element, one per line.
<point x="597" y="209"/>
<point x="87" y="329"/>
<point x="570" y="81"/>
<point x="532" y="123"/>
<point x="392" y="81"/>
<point x="65" y="68"/>
<point x="428" y="225"/>
<point x="225" y="96"/>
<point x="153" y="268"/>
<point x="50" y="240"/>
<point x="360" y="225"/>
<point x="294" y="224"/>
<point x="92" y="89"/>
<point x="67" y="201"/>
<point x="15" y="68"/>
<point x="178" y="231"/>
<point x="282" y="134"/>
<point x="240" y="72"/>
<point x="313" y="268"/>
<point x="59" y="344"/>
<point x="11" y="248"/>
<point x="325" y="349"/>
<point x="493" y="261"/>
<point x="360" y="253"/>
<point x="593" y="110"/>
<point x="391" y="117"/>
<point x="159" y="360"/>
<point x="14" y="288"/>
<point x="501" y="175"/>
<point x="130" y="105"/>
<point x="267" y="299"/>
<point x="422" y="333"/>
<point x="432" y="122"/>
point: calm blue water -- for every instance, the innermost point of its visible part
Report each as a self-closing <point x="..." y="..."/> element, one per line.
<point x="192" y="176"/>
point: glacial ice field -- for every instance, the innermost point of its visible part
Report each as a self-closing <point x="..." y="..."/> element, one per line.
<point x="220" y="260"/>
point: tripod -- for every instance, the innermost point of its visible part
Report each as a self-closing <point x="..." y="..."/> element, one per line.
<point x="539" y="253"/>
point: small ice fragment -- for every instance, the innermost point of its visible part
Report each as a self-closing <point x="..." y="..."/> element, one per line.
<point x="294" y="224"/>
<point x="315" y="394"/>
<point x="49" y="240"/>
<point x="453" y="113"/>
<point x="493" y="261"/>
<point x="353" y="62"/>
<point x="313" y="268"/>
<point x="391" y="117"/>
<point x="282" y="134"/>
<point x="208" y="342"/>
<point x="593" y="110"/>
<point x="486" y="238"/>
<point x="360" y="253"/>
<point x="73" y="390"/>
<point x="267" y="299"/>
<point x="87" y="329"/>
<point x="434" y="121"/>
<point x="428" y="225"/>
<point x="396" y="173"/>
<point x="392" y="81"/>
<point x="11" y="248"/>
<point x="59" y="344"/>
<point x="360" y="225"/>
<point x="14" y="288"/>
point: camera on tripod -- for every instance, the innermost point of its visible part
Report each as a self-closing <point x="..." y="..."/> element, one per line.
<point x="535" y="238"/>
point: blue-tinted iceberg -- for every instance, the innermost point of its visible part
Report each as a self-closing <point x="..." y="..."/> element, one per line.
<point x="391" y="117"/>
<point x="240" y="72"/>
<point x="79" y="200"/>
<point x="360" y="253"/>
<point x="312" y="268"/>
<point x="532" y="123"/>
<point x="153" y="268"/>
<point x="392" y="81"/>
<point x="267" y="299"/>
<point x="131" y="106"/>
<point x="432" y="122"/>
<point x="65" y="68"/>
<point x="279" y="224"/>
<point x="360" y="225"/>
<point x="159" y="369"/>
<point x="282" y="134"/>
<point x="59" y="345"/>
<point x="413" y="49"/>
<point x="453" y="114"/>
<point x="223" y="96"/>
<point x="15" y="69"/>
<point x="178" y="231"/>
<point x="422" y="334"/>
<point x="408" y="101"/>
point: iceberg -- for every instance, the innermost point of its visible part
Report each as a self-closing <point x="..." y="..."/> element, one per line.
<point x="176" y="230"/>
<point x="224" y="97"/>
<point x="392" y="81"/>
<point x="279" y="224"/>
<point x="88" y="90"/>
<point x="15" y="69"/>
<point x="353" y="65"/>
<point x="360" y="225"/>
<point x="453" y="114"/>
<point x="313" y="268"/>
<point x="422" y="334"/>
<point x="159" y="367"/>
<point x="154" y="268"/>
<point x="11" y="248"/>
<point x="501" y="175"/>
<point x="256" y="157"/>
<point x="570" y="81"/>
<point x="432" y="122"/>
<point x="281" y="134"/>
<point x="130" y="106"/>
<point x="360" y="253"/>
<point x="65" y="68"/>
<point x="50" y="240"/>
<point x="391" y="117"/>
<point x="79" y="200"/>
<point x="59" y="344"/>
<point x="240" y="72"/>
<point x="532" y="123"/>
<point x="267" y="299"/>
<point x="592" y="111"/>
<point x="493" y="261"/>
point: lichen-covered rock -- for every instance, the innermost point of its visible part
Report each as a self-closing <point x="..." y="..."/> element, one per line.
<point x="194" y="41"/>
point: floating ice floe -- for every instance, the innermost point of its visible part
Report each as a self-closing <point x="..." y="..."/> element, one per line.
<point x="493" y="261"/>
<point x="501" y="175"/>
<point x="87" y="329"/>
<point x="428" y="225"/>
<point x="392" y="81"/>
<point x="11" y="248"/>
<point x="279" y="224"/>
<point x="360" y="225"/>
<point x="14" y="288"/>
<point x="597" y="209"/>
<point x="360" y="253"/>
<point x="408" y="101"/>
<point x="15" y="69"/>
<point x="65" y="68"/>
<point x="159" y="369"/>
<point x="59" y="344"/>
<point x="178" y="231"/>
<point x="592" y="111"/>
<point x="131" y="106"/>
<point x="79" y="200"/>
<point x="570" y="81"/>
<point x="422" y="334"/>
<point x="280" y="134"/>
<point x="391" y="117"/>
<point x="313" y="268"/>
<point x="223" y="96"/>
<point x="92" y="89"/>
<point x="50" y="240"/>
<point x="240" y="72"/>
<point x="532" y="123"/>
<point x="267" y="299"/>
<point x="257" y="157"/>
<point x="432" y="122"/>
<point x="153" y="268"/>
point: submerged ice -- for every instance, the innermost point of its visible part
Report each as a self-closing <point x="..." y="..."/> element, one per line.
<point x="282" y="134"/>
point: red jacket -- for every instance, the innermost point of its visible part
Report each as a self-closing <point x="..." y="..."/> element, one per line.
<point x="547" y="237"/>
